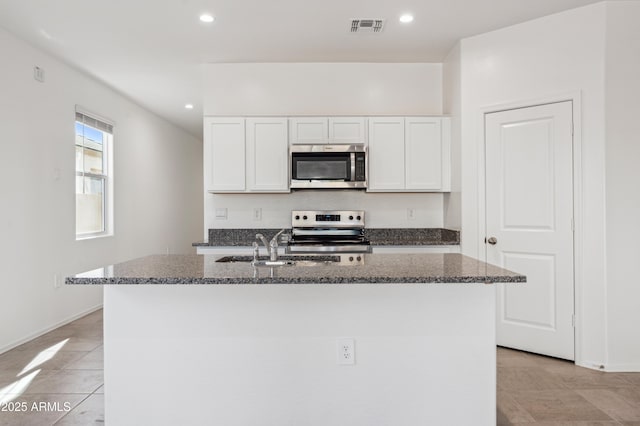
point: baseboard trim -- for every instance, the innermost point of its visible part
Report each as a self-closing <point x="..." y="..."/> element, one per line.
<point x="48" y="329"/>
<point x="611" y="368"/>
<point x="623" y="368"/>
<point x="590" y="365"/>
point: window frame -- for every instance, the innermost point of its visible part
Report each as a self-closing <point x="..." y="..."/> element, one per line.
<point x="106" y="176"/>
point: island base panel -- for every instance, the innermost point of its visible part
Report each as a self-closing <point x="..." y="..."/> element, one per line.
<point x="266" y="354"/>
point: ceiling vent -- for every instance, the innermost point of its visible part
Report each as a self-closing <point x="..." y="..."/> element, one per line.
<point x="366" y="25"/>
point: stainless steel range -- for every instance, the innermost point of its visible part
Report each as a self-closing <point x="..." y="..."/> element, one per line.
<point x="328" y="231"/>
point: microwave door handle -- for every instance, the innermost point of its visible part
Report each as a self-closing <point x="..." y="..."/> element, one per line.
<point x="353" y="166"/>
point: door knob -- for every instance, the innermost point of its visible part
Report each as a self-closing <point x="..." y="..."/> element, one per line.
<point x="492" y="241"/>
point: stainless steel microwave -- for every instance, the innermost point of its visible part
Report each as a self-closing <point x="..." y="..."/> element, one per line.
<point x="326" y="166"/>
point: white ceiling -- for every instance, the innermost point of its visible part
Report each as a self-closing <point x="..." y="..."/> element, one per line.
<point x="152" y="49"/>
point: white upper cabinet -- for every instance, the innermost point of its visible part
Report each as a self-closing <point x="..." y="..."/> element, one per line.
<point x="224" y="154"/>
<point x="335" y="130"/>
<point x="246" y="155"/>
<point x="308" y="130"/>
<point x="347" y="130"/>
<point x="416" y="159"/>
<point x="386" y="154"/>
<point x="267" y="154"/>
<point x="405" y="154"/>
<point x="423" y="153"/>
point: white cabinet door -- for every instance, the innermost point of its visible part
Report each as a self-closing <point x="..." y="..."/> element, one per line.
<point x="306" y="130"/>
<point x="224" y="154"/>
<point x="347" y="130"/>
<point x="423" y="153"/>
<point x="386" y="154"/>
<point x="267" y="154"/>
<point x="415" y="158"/>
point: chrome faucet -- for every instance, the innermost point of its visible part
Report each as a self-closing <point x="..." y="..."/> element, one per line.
<point x="256" y="251"/>
<point x="273" y="246"/>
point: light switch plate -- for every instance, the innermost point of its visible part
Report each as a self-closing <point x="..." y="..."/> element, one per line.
<point x="38" y="74"/>
<point x="221" y="214"/>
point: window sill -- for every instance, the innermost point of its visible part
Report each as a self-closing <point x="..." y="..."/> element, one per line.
<point x="94" y="236"/>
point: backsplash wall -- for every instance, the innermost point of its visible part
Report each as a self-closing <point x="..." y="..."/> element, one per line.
<point x="383" y="210"/>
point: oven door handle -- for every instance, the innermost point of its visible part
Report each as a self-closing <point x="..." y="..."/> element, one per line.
<point x="328" y="249"/>
<point x="325" y="233"/>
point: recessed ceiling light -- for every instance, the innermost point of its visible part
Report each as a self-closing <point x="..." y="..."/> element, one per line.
<point x="406" y="18"/>
<point x="189" y="106"/>
<point x="207" y="18"/>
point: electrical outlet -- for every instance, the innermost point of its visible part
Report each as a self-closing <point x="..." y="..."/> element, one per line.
<point x="257" y="213"/>
<point x="346" y="351"/>
<point x="411" y="214"/>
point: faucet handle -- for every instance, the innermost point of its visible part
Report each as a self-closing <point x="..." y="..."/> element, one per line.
<point x="274" y="240"/>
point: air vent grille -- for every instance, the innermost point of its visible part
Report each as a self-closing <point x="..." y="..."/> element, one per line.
<point x="367" y="25"/>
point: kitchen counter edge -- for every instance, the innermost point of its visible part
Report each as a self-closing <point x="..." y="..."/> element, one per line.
<point x="382" y="269"/>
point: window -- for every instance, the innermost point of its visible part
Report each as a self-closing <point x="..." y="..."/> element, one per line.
<point x="93" y="139"/>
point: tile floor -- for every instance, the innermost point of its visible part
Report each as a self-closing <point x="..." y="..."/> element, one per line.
<point x="57" y="378"/>
<point x="537" y="390"/>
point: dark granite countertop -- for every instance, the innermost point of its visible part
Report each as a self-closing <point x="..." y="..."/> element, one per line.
<point x="378" y="236"/>
<point x="375" y="269"/>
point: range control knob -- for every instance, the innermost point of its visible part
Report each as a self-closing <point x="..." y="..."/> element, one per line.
<point x="350" y="258"/>
<point x="304" y="217"/>
<point x="358" y="218"/>
<point x="350" y="217"/>
<point x="358" y="258"/>
<point x="297" y="217"/>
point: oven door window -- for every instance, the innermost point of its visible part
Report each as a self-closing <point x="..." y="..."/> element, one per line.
<point x="335" y="166"/>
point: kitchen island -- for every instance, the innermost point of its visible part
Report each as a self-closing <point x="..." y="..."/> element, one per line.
<point x="191" y="341"/>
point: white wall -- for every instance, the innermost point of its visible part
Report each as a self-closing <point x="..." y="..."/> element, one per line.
<point x="452" y="105"/>
<point x="158" y="190"/>
<point x="622" y="174"/>
<point x="546" y="57"/>
<point x="285" y="89"/>
<point x="323" y="89"/>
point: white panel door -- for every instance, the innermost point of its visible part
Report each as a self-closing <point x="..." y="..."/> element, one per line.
<point x="224" y="154"/>
<point x="423" y="153"/>
<point x="267" y="154"/>
<point x="306" y="130"/>
<point x="529" y="215"/>
<point x="386" y="154"/>
<point x="348" y="130"/>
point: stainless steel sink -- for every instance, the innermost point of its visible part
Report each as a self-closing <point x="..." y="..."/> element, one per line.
<point x="282" y="260"/>
<point x="273" y="263"/>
